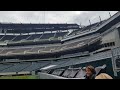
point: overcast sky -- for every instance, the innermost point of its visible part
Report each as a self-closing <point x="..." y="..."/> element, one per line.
<point x="54" y="16"/>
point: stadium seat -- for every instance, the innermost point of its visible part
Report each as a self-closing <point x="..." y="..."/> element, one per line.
<point x="74" y="72"/>
<point x="99" y="69"/>
<point x="67" y="72"/>
<point x="81" y="74"/>
<point x="58" y="72"/>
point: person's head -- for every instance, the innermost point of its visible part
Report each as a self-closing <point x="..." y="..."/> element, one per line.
<point x="90" y="70"/>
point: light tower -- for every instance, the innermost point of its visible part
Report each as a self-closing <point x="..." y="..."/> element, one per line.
<point x="110" y="14"/>
<point x="100" y="18"/>
<point x="90" y="22"/>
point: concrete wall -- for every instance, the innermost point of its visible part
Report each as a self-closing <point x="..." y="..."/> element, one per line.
<point x="109" y="37"/>
<point x="49" y="76"/>
<point x="117" y="38"/>
<point x="112" y="37"/>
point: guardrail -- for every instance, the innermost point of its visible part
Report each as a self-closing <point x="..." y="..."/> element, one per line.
<point x="49" y="76"/>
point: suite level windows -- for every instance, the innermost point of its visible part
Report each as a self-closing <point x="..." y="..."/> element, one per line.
<point x="108" y="44"/>
<point x="117" y="61"/>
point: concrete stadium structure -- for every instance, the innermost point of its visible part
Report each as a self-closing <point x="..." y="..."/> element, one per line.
<point x="60" y="51"/>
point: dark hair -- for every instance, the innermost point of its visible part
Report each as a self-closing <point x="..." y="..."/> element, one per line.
<point x="92" y="69"/>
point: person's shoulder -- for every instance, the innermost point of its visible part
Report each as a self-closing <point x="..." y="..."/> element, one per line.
<point x="103" y="76"/>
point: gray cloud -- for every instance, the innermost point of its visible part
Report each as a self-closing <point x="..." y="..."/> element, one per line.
<point x="93" y="16"/>
<point x="53" y="16"/>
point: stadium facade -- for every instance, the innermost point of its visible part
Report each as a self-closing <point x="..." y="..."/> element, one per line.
<point x="60" y="50"/>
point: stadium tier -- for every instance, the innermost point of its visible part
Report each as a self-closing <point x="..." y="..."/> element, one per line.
<point x="44" y="49"/>
<point x="42" y="36"/>
<point x="75" y="72"/>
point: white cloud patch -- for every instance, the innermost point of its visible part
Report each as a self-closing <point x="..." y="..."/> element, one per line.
<point x="78" y="17"/>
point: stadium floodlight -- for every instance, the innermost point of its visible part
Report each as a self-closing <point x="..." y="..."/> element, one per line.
<point x="90" y="22"/>
<point x="100" y="18"/>
<point x="80" y="25"/>
<point x="110" y="14"/>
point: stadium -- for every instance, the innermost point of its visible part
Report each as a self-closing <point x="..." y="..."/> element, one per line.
<point x="59" y="51"/>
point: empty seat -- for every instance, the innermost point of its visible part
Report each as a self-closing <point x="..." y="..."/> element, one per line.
<point x="1" y="36"/>
<point x="58" y="72"/>
<point x="5" y="66"/>
<point x="81" y="74"/>
<point x="49" y="49"/>
<point x="35" y="66"/>
<point x="20" y="50"/>
<point x="6" y="51"/>
<point x="60" y="34"/>
<point x="17" y="67"/>
<point x="21" y="37"/>
<point x="35" y="50"/>
<point x="7" y="37"/>
<point x="67" y="72"/>
<point x="74" y="72"/>
<point x="45" y="71"/>
<point x="47" y="35"/>
<point x="35" y="36"/>
<point x="99" y="69"/>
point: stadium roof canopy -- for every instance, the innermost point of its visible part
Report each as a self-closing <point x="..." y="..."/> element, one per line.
<point x="37" y="27"/>
<point x="107" y="24"/>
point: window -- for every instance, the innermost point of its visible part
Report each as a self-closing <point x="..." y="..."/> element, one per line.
<point x="117" y="62"/>
<point x="108" y="44"/>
